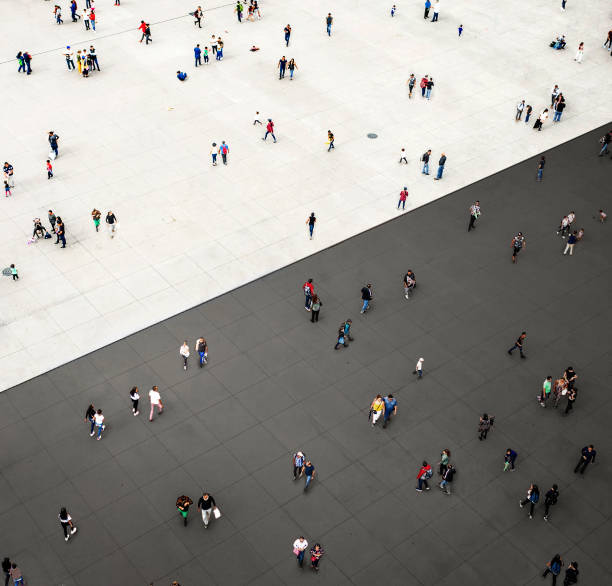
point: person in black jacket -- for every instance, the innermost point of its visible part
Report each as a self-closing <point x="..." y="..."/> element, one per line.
<point x="571" y="574"/>
<point x="550" y="498"/>
<point x="206" y="504"/>
<point x="447" y="478"/>
<point x="366" y="296"/>
<point x="6" y="568"/>
<point x="587" y="456"/>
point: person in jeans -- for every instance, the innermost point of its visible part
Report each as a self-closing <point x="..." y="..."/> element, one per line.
<point x="441" y="164"/>
<point x="366" y="297"/>
<point x="519" y="344"/>
<point x="206" y="504"/>
<point x="308" y="289"/>
<point x="425" y="472"/>
<point x="311" y="220"/>
<point x="425" y="159"/>
<point x="390" y="409"/>
<point x="533" y="496"/>
<point x="316" y="553"/>
<point x="16" y="575"/>
<point x="328" y="22"/>
<point x="99" y="421"/>
<point x="309" y="471"/>
<point x="315" y="308"/>
<point x="201" y="348"/>
<point x="299" y="549"/>
<point x="89" y="416"/>
<point x="447" y="479"/>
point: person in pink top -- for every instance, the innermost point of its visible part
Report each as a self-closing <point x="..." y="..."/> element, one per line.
<point x="402" y="198"/>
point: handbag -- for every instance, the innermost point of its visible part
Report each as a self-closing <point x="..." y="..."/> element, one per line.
<point x="216" y="512"/>
<point x="296" y="551"/>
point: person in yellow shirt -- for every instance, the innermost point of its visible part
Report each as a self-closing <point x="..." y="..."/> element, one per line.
<point x="376" y="409"/>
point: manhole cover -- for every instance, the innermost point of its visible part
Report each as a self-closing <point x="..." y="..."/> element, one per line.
<point x="372" y="135"/>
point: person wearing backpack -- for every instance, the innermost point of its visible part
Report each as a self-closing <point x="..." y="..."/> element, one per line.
<point x="224" y="151"/>
<point x="553" y="567"/>
<point x="425" y="473"/>
<point x="533" y="496"/>
<point x="550" y="498"/>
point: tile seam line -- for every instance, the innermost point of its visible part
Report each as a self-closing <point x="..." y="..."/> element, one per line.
<point x="264" y="275"/>
<point x="122" y="32"/>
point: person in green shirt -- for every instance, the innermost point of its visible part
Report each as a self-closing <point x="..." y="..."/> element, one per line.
<point x="546" y="388"/>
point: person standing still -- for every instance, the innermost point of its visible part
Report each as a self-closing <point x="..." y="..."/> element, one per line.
<point x="571" y="242"/>
<point x="519" y="110"/>
<point x="60" y="232"/>
<point x="310" y="221"/>
<point x="518" y="243"/>
<point x="238" y="10"/>
<point x="441" y="164"/>
<point x="436" y="9"/>
<point x="474" y="215"/>
<point x="328" y="23"/>
<point x="587" y="456"/>
<point x="224" y="151"/>
<point x="484" y="425"/>
<point x="308" y="289"/>
<point x="509" y="459"/>
<point x="418" y="369"/>
<point x="528" y="111"/>
<point x="425" y="158"/>
<point x="53" y="140"/>
<point x="156" y="401"/>
<point x="315" y="308"/>
<point x="540" y="169"/>
<point x="402" y="198"/>
<point x="287" y="34"/>
<point x="299" y="549"/>
<point x="520" y="341"/>
<point x="427" y="8"/>
<point x="430" y="84"/>
<point x="197" y="54"/>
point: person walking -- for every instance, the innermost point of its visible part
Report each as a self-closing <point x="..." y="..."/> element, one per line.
<point x="559" y="107"/>
<point x="443" y="463"/>
<point x="377" y="408"/>
<point x="474" y="215"/>
<point x="423" y="85"/>
<point x="238" y="10"/>
<point x="425" y="473"/>
<point x="553" y="567"/>
<point x="571" y="574"/>
<point x="269" y="130"/>
<point x="206" y="505"/>
<point x="201" y="347"/>
<point x="184" y="352"/>
<point x="220" y="45"/>
<point x="447" y="479"/>
<point x="518" y="243"/>
<point x="328" y="23"/>
<point x="94" y="58"/>
<point x="366" y="296"/>
<point x="182" y="504"/>
<point x="99" y="423"/>
<point x="330" y="140"/>
<point x="411" y="83"/>
<point x="67" y="525"/>
<point x="291" y="66"/>
<point x="315" y="308"/>
<point x="111" y="223"/>
<point x="310" y="222"/>
<point x="550" y="499"/>
<point x="409" y="283"/>
<point x="282" y="64"/>
<point x="205" y="54"/>
<point x="441" y="164"/>
<point x="197" y="15"/>
<point x="403" y="158"/>
<point x="73" y="11"/>
<point x="287" y="34"/>
<point x="346" y="327"/>
<point x="49" y="169"/>
<point x="53" y="143"/>
<point x="571" y="399"/>
<point x="519" y="110"/>
<point x="418" y="369"/>
<point x="142" y="28"/>
<point x="390" y="409"/>
<point x="571" y="242"/>
<point x="92" y="18"/>
<point x="520" y="341"/>
<point x="134" y="397"/>
<point x="89" y="417"/>
<point x="299" y="549"/>
<point x="425" y="158"/>
<point x="9" y="175"/>
<point x="197" y="54"/>
<point x="509" y="460"/>
<point x="27" y="59"/>
<point x="6" y="568"/>
<point x="308" y="289"/>
<point x="21" y="62"/>
<point x="16" y="575"/>
<point x="95" y="216"/>
<point x="533" y="496"/>
<point x="484" y="425"/>
<point x="545" y="392"/>
<point x="605" y="140"/>
<point x="430" y="84"/>
<point x="402" y="198"/>
<point x="86" y="18"/>
<point x="14" y="272"/>
<point x="309" y="471"/>
<point x="540" y="169"/>
<point x="224" y="151"/>
<point x="587" y="456"/>
<point x="155" y="399"/>
<point x="297" y="462"/>
<point x="316" y="553"/>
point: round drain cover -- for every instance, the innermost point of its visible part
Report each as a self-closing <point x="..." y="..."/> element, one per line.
<point x="372" y="135"/>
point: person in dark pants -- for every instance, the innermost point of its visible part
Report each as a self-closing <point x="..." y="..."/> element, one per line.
<point x="570" y="376"/>
<point x="328" y="23"/>
<point x="541" y="164"/>
<point x="390" y="409"/>
<point x="315" y="308"/>
<point x="67" y="525"/>
<point x="60" y="232"/>
<point x="484" y="425"/>
<point x="330" y="140"/>
<point x="6" y="568"/>
<point x="571" y="574"/>
<point x="341" y="340"/>
<point x="441" y="164"/>
<point x="427" y="8"/>
<point x="282" y="64"/>
<point x="287" y="34"/>
<point x="550" y="499"/>
<point x="474" y="214"/>
<point x="518" y="243"/>
<point x="311" y="220"/>
<point x="347" y="331"/>
<point x="509" y="459"/>
<point x="519" y="344"/>
<point x="571" y="398"/>
<point x="587" y="456"/>
<point x="299" y="549"/>
<point x="366" y="297"/>
<point x="27" y="58"/>
<point x="533" y="496"/>
<point x="553" y="567"/>
<point x="53" y="138"/>
<point x="316" y="553"/>
<point x="308" y="289"/>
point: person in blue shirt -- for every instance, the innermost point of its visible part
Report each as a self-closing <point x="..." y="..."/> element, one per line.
<point x="390" y="409"/>
<point x="181" y="75"/>
<point x="427" y="7"/>
<point x="309" y="471"/>
<point x="509" y="459"/>
<point x="197" y="53"/>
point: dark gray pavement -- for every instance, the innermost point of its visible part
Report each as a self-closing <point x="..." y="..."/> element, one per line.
<point x="274" y="385"/>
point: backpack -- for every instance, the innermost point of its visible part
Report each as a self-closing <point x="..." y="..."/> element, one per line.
<point x="555" y="568"/>
<point x="428" y="474"/>
<point x="534" y="497"/>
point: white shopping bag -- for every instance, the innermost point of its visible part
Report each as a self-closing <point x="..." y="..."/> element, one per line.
<point x="216" y="513"/>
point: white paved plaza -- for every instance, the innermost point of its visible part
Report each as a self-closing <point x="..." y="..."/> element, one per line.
<point x="136" y="141"/>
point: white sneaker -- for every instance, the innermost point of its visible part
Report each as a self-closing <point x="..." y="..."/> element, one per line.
<point x="74" y="530"/>
<point x="91" y="434"/>
<point x="185" y="367"/>
<point x="67" y="538"/>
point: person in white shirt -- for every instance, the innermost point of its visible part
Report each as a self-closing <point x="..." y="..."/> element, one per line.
<point x="155" y="398"/>
<point x="69" y="54"/>
<point x="299" y="549"/>
<point x="134" y="395"/>
<point x="580" y="53"/>
<point x="418" y="369"/>
<point x="436" y="9"/>
<point x="99" y="423"/>
<point x="66" y="523"/>
<point x="86" y="18"/>
<point x="184" y="352"/>
<point x="519" y="110"/>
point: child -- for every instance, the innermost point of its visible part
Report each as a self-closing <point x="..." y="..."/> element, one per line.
<point x="393" y="11"/>
<point x="205" y="54"/>
<point x="257" y="120"/>
<point x="460" y="29"/>
<point x="602" y="216"/>
<point x="14" y="273"/>
<point x="49" y="169"/>
<point x="7" y="191"/>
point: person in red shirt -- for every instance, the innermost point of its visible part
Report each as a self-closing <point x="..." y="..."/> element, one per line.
<point x="424" y="473"/>
<point x="308" y="289"/>
<point x="269" y="130"/>
<point x="142" y="28"/>
<point x="423" y="85"/>
<point x="402" y="199"/>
